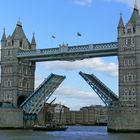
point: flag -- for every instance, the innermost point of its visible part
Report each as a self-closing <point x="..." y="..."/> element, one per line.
<point x="78" y="34"/>
<point x="53" y="37"/>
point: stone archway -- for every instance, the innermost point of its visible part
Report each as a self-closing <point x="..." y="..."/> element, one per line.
<point x="20" y="100"/>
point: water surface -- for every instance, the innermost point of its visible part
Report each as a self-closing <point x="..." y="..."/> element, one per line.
<point x="72" y="133"/>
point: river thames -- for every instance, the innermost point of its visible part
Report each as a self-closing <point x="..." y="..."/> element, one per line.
<point x="72" y="133"/>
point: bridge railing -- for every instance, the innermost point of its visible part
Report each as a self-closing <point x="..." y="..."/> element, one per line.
<point x="92" y="47"/>
<point x="66" y="49"/>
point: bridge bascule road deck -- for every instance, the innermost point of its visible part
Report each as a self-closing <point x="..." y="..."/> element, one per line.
<point x="106" y="95"/>
<point x="35" y="102"/>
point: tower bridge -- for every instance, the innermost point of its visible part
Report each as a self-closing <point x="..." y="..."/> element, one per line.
<point x="18" y="62"/>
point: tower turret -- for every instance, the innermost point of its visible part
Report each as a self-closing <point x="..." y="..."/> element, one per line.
<point x="121" y="28"/>
<point x="3" y="40"/>
<point x="134" y="21"/>
<point x="19" y="38"/>
<point x="17" y="78"/>
<point x="33" y="42"/>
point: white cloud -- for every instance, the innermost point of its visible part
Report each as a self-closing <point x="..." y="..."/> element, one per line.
<point x="83" y="2"/>
<point x="71" y="92"/>
<point x="94" y="64"/>
<point x="75" y="98"/>
<point x="128" y="2"/>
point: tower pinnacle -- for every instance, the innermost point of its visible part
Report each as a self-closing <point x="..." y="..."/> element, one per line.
<point x="4" y="35"/>
<point x="19" y="23"/>
<point x="121" y="22"/>
<point x="136" y="5"/>
<point x="33" y="42"/>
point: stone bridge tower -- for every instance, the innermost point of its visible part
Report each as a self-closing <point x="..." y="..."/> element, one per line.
<point x="17" y="80"/>
<point x="125" y="115"/>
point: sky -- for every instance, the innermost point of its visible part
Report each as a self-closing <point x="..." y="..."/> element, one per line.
<point x="96" y="20"/>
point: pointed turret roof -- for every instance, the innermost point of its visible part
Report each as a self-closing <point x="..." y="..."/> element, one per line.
<point x="136" y="5"/>
<point x="18" y="32"/>
<point x="135" y="15"/>
<point x="3" y="36"/>
<point x="121" y="25"/>
<point x="33" y="42"/>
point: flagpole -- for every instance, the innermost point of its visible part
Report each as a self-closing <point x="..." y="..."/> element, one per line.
<point x="53" y="39"/>
<point x="78" y="35"/>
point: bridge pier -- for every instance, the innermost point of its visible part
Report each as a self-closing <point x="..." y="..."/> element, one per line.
<point x="11" y="118"/>
<point x="123" y="119"/>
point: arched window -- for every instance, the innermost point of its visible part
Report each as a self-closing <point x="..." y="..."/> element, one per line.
<point x="20" y="43"/>
<point x="20" y="100"/>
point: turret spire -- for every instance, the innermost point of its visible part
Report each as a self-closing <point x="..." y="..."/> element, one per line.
<point x="4" y="35"/>
<point x="18" y="33"/>
<point x="135" y="15"/>
<point x="33" y="42"/>
<point x="121" y="24"/>
<point x="136" y="5"/>
<point x="19" y="23"/>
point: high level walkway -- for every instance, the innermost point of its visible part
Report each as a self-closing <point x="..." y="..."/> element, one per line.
<point x="34" y="103"/>
<point x="72" y="53"/>
<point x="106" y="95"/>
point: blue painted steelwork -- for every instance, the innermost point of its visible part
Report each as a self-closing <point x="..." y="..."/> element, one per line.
<point x="34" y="103"/>
<point x="30" y="117"/>
<point x="71" y="53"/>
<point x="106" y="95"/>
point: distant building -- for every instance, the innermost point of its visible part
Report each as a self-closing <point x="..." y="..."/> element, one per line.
<point x="59" y="113"/>
<point x="90" y="115"/>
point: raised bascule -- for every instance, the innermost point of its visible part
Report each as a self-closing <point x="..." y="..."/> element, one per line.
<point x="20" y="102"/>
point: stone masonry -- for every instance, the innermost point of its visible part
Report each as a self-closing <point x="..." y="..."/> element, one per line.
<point x="124" y="115"/>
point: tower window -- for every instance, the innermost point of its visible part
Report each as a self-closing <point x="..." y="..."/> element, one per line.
<point x="24" y="83"/>
<point x="129" y="41"/>
<point x="126" y="42"/>
<point x="28" y="84"/>
<point x="12" y="43"/>
<point x="134" y="29"/>
<point x="20" y="44"/>
<point x="9" y="43"/>
<point x="132" y="41"/>
<point x="129" y="31"/>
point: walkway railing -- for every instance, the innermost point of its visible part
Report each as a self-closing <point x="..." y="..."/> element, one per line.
<point x="65" y="52"/>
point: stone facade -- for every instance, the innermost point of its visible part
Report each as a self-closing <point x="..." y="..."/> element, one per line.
<point x="124" y="115"/>
<point x="17" y="76"/>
